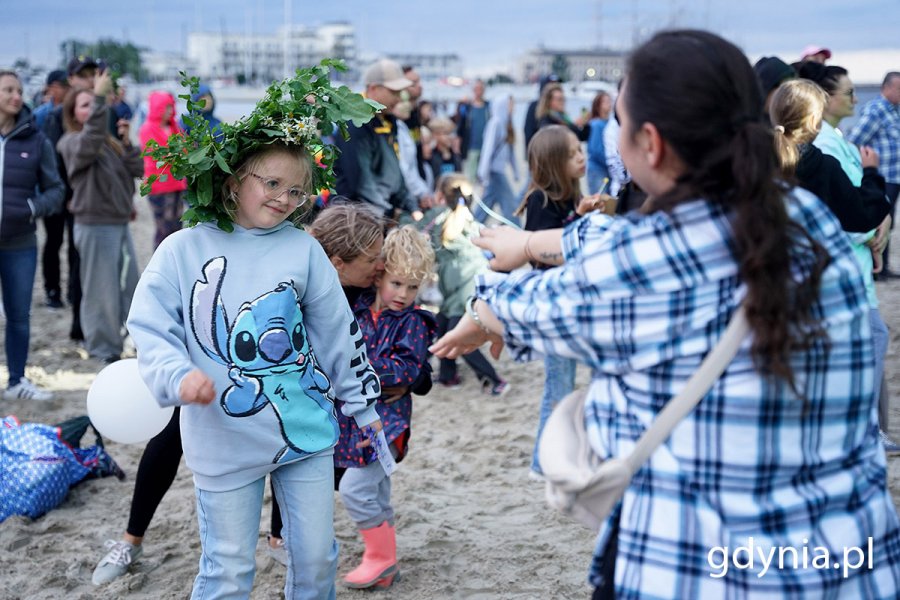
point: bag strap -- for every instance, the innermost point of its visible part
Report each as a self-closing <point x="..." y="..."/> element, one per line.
<point x="694" y="390"/>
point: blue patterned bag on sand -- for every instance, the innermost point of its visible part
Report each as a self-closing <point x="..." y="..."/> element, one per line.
<point x="37" y="467"/>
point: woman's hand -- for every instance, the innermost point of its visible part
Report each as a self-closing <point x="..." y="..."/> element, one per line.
<point x="869" y="156"/>
<point x="197" y="388"/>
<point x="506" y="244"/>
<point x="878" y="243"/>
<point x="466" y="337"/>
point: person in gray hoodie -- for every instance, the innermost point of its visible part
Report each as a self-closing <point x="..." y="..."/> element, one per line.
<point x="30" y="188"/>
<point x="497" y="152"/>
<point x="101" y="171"/>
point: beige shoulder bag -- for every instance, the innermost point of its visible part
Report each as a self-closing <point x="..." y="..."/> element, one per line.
<point x="587" y="487"/>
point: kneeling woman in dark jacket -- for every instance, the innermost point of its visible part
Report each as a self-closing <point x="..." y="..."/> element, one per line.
<point x="30" y="187"/>
<point x="101" y="172"/>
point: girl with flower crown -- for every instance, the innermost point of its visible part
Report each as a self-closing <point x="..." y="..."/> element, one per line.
<point x="241" y="321"/>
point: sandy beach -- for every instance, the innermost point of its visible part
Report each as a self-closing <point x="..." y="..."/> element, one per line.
<point x="470" y="524"/>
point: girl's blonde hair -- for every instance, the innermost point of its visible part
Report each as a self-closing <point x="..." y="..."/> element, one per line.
<point x="408" y="254"/>
<point x="796" y="112"/>
<point x="347" y="230"/>
<point x="548" y="157"/>
<point x="251" y="163"/>
<point x="441" y="125"/>
<point x="457" y="193"/>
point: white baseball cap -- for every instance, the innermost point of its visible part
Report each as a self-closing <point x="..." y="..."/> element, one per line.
<point x="387" y="73"/>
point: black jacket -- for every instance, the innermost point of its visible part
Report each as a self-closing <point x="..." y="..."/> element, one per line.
<point x="30" y="186"/>
<point x="859" y="209"/>
<point x="368" y="169"/>
<point x="582" y="133"/>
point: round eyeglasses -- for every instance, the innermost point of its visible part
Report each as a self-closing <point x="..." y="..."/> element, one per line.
<point x="272" y="190"/>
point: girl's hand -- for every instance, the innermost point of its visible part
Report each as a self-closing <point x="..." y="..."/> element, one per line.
<point x="506" y="244"/>
<point x="376" y="425"/>
<point x="466" y="337"/>
<point x="103" y="83"/>
<point x="389" y="395"/>
<point x="869" y="156"/>
<point x="197" y="388"/>
<point x="602" y="202"/>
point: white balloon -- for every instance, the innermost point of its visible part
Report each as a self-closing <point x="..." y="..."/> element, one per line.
<point x="121" y="406"/>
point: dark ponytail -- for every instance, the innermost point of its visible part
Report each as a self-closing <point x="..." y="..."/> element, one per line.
<point x="701" y="94"/>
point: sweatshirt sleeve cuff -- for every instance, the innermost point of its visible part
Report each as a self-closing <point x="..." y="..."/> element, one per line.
<point x="173" y="396"/>
<point x="367" y="416"/>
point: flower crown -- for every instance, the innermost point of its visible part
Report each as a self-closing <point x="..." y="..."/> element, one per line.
<point x="296" y="111"/>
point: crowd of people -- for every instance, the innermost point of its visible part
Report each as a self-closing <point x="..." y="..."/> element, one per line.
<point x="705" y="185"/>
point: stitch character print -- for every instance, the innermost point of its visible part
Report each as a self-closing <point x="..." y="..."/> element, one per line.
<point x="269" y="360"/>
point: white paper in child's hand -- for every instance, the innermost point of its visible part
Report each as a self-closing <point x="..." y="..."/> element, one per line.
<point x="382" y="450"/>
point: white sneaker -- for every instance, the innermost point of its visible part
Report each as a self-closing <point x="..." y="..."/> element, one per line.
<point x="25" y="390"/>
<point x="115" y="564"/>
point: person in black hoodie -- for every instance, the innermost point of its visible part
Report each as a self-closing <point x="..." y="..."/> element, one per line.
<point x="796" y="113"/>
<point x="31" y="188"/>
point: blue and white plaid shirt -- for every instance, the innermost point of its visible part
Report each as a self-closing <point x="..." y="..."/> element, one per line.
<point x="879" y="127"/>
<point x="641" y="300"/>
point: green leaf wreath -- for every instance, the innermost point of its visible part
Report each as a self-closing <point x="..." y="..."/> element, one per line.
<point x="299" y="110"/>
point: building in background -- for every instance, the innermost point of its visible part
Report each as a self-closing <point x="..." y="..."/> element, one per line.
<point x="166" y="65"/>
<point x="575" y="66"/>
<point x="431" y="66"/>
<point x="264" y="58"/>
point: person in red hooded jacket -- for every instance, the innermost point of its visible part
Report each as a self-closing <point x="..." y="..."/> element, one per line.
<point x="165" y="193"/>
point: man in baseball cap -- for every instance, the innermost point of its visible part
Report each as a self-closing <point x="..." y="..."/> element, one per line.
<point x="368" y="169"/>
<point x="384" y="80"/>
<point x="80" y="62"/>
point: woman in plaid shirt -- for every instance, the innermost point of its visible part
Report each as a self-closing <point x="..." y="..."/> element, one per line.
<point x="781" y="458"/>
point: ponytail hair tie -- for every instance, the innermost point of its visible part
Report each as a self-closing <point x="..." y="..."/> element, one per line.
<point x="779" y="129"/>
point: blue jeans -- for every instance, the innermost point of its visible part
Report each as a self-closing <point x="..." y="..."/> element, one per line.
<point x="229" y="532"/>
<point x="559" y="382"/>
<point x="880" y="348"/>
<point x="498" y="193"/>
<point x="17" y="268"/>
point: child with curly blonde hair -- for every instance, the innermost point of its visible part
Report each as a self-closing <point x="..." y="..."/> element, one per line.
<point x="397" y="334"/>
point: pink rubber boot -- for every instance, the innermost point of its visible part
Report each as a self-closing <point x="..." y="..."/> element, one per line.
<point x="379" y="560"/>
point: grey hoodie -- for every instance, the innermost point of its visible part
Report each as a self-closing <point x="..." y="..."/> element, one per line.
<point x="102" y="181"/>
<point x="496" y="152"/>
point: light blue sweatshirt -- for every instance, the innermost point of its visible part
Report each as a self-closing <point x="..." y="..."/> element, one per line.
<point x="262" y="313"/>
<point x="831" y="141"/>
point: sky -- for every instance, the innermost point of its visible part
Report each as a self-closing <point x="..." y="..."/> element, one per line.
<point x="488" y="35"/>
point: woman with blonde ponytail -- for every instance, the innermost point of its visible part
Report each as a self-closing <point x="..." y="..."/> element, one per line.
<point x="458" y="262"/>
<point x="796" y="111"/>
